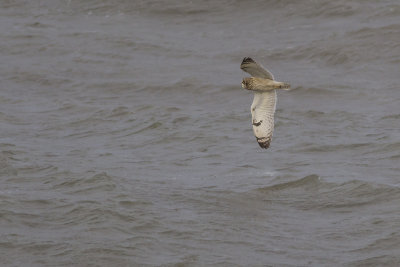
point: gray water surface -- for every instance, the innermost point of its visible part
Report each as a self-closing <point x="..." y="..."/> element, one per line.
<point x="126" y="138"/>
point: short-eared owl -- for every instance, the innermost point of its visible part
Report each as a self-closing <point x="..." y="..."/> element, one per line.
<point x="264" y="103"/>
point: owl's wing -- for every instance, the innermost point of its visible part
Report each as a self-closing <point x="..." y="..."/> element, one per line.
<point x="262" y="113"/>
<point x="254" y="69"/>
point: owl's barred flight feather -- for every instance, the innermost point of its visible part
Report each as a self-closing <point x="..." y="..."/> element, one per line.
<point x="264" y="102"/>
<point x="254" y="69"/>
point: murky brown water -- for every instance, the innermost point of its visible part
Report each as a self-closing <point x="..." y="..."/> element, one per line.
<point x="126" y="137"/>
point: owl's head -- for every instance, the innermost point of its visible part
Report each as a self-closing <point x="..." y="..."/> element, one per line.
<point x="246" y="83"/>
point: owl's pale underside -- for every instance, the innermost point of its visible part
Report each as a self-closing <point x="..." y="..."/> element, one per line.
<point x="264" y="103"/>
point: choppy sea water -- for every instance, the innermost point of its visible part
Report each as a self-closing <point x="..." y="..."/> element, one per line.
<point x="126" y="138"/>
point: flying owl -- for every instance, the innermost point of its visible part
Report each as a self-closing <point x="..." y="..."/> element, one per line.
<point x="264" y="102"/>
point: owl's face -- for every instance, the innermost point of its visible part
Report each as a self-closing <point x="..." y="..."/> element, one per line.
<point x="246" y="83"/>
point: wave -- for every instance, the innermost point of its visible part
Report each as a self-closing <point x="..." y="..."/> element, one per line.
<point x="312" y="192"/>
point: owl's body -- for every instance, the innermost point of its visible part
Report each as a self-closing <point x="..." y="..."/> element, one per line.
<point x="261" y="84"/>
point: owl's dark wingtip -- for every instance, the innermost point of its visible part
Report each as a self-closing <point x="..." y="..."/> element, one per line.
<point x="264" y="142"/>
<point x="264" y="145"/>
<point x="247" y="60"/>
